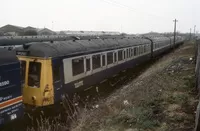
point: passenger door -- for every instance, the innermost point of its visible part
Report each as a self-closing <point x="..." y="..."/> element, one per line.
<point x="57" y="79"/>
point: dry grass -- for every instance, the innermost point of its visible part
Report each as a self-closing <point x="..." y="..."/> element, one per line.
<point x="49" y="125"/>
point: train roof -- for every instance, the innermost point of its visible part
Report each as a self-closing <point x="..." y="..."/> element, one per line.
<point x="78" y="47"/>
<point x="20" y="40"/>
<point x="7" y="57"/>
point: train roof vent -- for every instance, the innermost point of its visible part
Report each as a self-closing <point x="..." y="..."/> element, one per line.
<point x="26" y="46"/>
<point x="76" y="37"/>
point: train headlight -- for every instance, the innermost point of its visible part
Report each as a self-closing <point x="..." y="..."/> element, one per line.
<point x="33" y="98"/>
<point x="13" y="116"/>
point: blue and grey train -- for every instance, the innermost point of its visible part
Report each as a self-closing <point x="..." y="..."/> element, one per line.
<point x="50" y="70"/>
<point x="11" y="106"/>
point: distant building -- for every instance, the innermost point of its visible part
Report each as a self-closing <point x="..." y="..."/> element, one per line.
<point x="29" y="28"/>
<point x="46" y="31"/>
<point x="11" y="30"/>
<point x="61" y="33"/>
<point x="30" y="31"/>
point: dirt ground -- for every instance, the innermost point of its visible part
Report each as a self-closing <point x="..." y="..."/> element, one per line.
<point x="162" y="98"/>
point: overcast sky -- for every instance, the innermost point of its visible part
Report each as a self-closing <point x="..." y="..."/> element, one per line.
<point x="130" y="16"/>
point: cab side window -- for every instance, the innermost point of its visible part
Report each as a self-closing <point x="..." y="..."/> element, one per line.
<point x="56" y="73"/>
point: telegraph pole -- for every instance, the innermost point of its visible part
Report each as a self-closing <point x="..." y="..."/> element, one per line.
<point x="175" y="30"/>
<point x="194" y="30"/>
<point x="190" y="33"/>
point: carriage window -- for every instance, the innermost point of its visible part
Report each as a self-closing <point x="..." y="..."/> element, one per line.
<point x="149" y="48"/>
<point x="34" y="74"/>
<point x="124" y="55"/>
<point x="23" y="70"/>
<point x="141" y="49"/>
<point x="115" y="57"/>
<point x="135" y="51"/>
<point x="88" y="64"/>
<point x="103" y="60"/>
<point x="96" y="61"/>
<point x="120" y="55"/>
<point x="56" y="73"/>
<point x="109" y="58"/>
<point x="77" y="66"/>
<point x="130" y="52"/>
<point x="127" y="53"/>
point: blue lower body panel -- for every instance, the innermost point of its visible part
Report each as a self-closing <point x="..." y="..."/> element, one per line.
<point x="11" y="113"/>
<point x="161" y="51"/>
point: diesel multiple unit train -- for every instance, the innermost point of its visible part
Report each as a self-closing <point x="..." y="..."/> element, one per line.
<point x="11" y="106"/>
<point x="50" y="70"/>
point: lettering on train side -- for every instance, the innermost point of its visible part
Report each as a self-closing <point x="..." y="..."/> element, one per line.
<point x="78" y="84"/>
<point x="22" y="53"/>
<point x="5" y="98"/>
<point x="4" y="83"/>
<point x="11" y="110"/>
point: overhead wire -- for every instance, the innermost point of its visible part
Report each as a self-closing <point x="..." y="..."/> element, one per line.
<point x="133" y="9"/>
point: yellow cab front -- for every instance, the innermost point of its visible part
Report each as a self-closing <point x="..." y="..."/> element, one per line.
<point x="37" y="81"/>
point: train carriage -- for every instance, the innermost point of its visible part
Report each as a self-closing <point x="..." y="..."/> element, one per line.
<point x="11" y="106"/>
<point x="160" y="44"/>
<point x="52" y="69"/>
